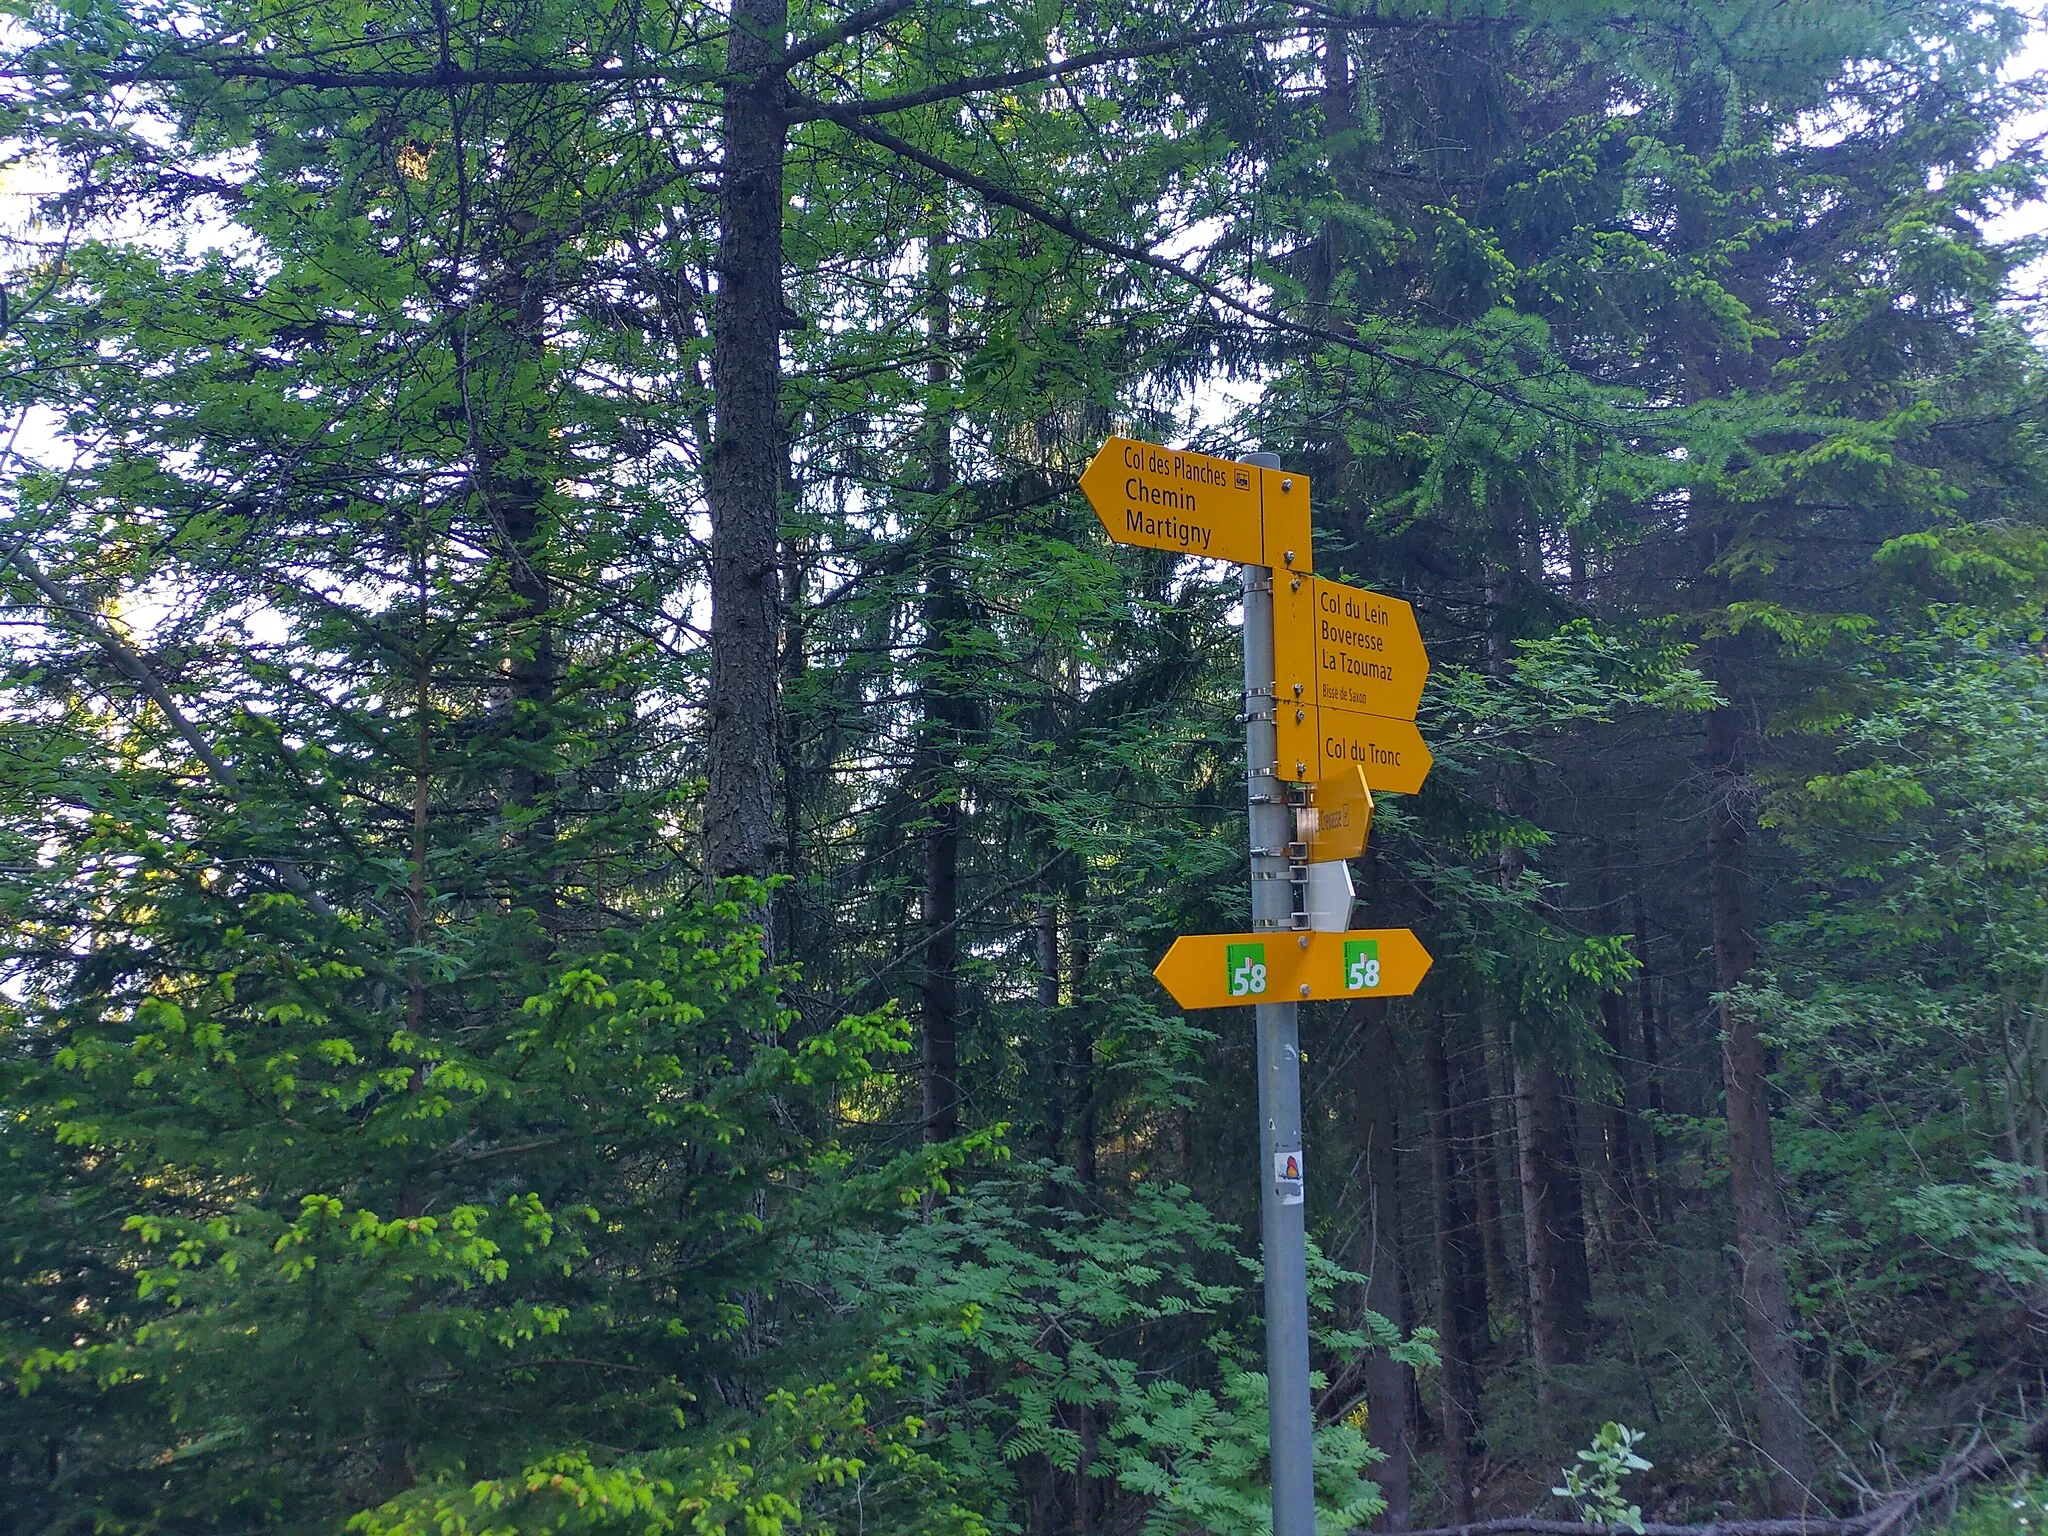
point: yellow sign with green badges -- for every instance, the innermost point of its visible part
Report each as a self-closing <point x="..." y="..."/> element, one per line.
<point x="1348" y="672"/>
<point x="1229" y="970"/>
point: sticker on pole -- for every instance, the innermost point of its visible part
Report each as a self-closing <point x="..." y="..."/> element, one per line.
<point x="1361" y="965"/>
<point x="1244" y="969"/>
<point x="1287" y="1170"/>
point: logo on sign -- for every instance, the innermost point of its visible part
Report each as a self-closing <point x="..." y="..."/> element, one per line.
<point x="1361" y="964"/>
<point x="1244" y="967"/>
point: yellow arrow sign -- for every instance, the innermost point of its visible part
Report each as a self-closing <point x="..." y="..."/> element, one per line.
<point x="1337" y="817"/>
<point x="1190" y="503"/>
<point x="1336" y="651"/>
<point x="1391" y="752"/>
<point x="1196" y="504"/>
<point x="1229" y="970"/>
<point x="1368" y="651"/>
<point x="1322" y="743"/>
<point x="1340" y="647"/>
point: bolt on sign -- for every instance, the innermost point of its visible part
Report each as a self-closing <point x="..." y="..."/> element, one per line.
<point x="1229" y="970"/>
<point x="1196" y="504"/>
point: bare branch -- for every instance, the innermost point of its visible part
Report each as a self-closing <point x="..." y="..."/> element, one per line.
<point x="243" y="67"/>
<point x="847" y="27"/>
<point x="952" y="90"/>
<point x="237" y="66"/>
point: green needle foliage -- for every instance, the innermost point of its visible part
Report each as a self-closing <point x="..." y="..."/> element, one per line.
<point x="402" y="1133"/>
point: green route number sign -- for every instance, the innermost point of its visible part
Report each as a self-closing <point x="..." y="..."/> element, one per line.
<point x="1228" y="970"/>
<point x="1361" y="965"/>
<point x="1244" y="969"/>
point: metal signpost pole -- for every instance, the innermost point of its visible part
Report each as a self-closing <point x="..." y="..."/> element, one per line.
<point x="1281" y="1208"/>
<point x="1347" y="735"/>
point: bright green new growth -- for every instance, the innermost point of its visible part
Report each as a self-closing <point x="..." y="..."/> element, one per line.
<point x="2020" y="1509"/>
<point x="1594" y="1485"/>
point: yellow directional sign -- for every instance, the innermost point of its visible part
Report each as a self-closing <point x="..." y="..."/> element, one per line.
<point x="1390" y="751"/>
<point x="1196" y="504"/>
<point x="1320" y="743"/>
<point x="1368" y="651"/>
<point x="1336" y="651"/>
<point x="1163" y="498"/>
<point x="1337" y="817"/>
<point x="1228" y="970"/>
<point x="1366" y="962"/>
<point x="1346" y="648"/>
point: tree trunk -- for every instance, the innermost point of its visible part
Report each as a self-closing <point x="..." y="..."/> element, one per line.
<point x="1645" y="1087"/>
<point x="1618" y="1143"/>
<point x="939" y="987"/>
<point x="1546" y="1164"/>
<point x="1621" y="1163"/>
<point x="1760" y="1230"/>
<point x="792" y="925"/>
<point x="1046" y="941"/>
<point x="1378" y="1256"/>
<point x="527" y="694"/>
<point x="944" y="721"/>
<point x="422" y="798"/>
<point x="1488" y="1206"/>
<point x="1553" y="1223"/>
<point x="744" y="479"/>
<point x="1046" y="933"/>
<point x="508" y="427"/>
<point x="1081" y="1038"/>
<point x="1088" y="1488"/>
<point x="1461" y="1298"/>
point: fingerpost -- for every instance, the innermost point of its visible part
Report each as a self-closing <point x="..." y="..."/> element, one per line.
<point x="1332" y="677"/>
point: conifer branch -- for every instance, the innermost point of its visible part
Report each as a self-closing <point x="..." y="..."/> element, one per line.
<point x="1060" y="223"/>
<point x="128" y="660"/>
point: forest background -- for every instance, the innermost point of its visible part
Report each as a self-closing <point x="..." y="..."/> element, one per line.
<point x="586" y="812"/>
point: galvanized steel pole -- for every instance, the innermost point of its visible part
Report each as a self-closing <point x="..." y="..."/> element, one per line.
<point x="1281" y="1210"/>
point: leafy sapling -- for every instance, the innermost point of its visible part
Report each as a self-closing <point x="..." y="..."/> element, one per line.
<point x="1594" y="1486"/>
